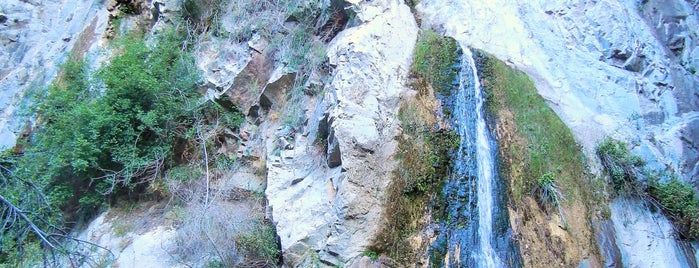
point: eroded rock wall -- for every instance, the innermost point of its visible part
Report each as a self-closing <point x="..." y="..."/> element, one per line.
<point x="329" y="202"/>
<point x="35" y="38"/>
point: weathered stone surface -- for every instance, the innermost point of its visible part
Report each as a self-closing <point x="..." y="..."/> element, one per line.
<point x="248" y="84"/>
<point x="333" y="209"/>
<point x="34" y="40"/>
<point x="645" y="238"/>
<point x="274" y="93"/>
<point x="221" y="60"/>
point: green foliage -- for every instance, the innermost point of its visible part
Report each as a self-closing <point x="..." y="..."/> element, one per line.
<point x="629" y="176"/>
<point x="423" y="151"/>
<point x="95" y="141"/>
<point x="105" y="132"/>
<point x="547" y="190"/>
<point x="678" y="201"/>
<point x="423" y="165"/>
<point x="541" y="141"/>
<point x="259" y="244"/>
<point x="436" y="60"/>
<point x="184" y="173"/>
<point x="622" y="167"/>
<point x="371" y="254"/>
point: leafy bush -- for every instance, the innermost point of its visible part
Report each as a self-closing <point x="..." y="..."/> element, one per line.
<point x="629" y="176"/>
<point x="103" y="133"/>
<point x="260" y="243"/>
<point x="95" y="141"/>
<point x="678" y="201"/>
<point x="436" y="60"/>
<point x="623" y="167"/>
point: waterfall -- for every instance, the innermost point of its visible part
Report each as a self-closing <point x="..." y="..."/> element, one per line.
<point x="476" y="230"/>
<point x="486" y="177"/>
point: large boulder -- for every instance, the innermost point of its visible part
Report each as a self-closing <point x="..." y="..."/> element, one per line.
<point x="330" y="210"/>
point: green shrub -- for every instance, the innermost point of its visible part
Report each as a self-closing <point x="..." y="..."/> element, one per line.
<point x="371" y="254"/>
<point x="678" y="201"/>
<point x="629" y="176"/>
<point x="259" y="243"/>
<point x="547" y="190"/>
<point x="623" y="167"/>
<point x="436" y="60"/>
<point x="102" y="135"/>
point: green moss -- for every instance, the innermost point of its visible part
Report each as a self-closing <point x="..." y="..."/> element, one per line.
<point x="423" y="150"/>
<point x="436" y="60"/>
<point x="542" y="143"/>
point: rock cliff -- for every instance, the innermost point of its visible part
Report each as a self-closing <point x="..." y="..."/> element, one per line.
<point x="621" y="68"/>
<point x="625" y="69"/>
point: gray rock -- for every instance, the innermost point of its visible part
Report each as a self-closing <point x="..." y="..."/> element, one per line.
<point x="33" y="44"/>
<point x="606" y="241"/>
<point x="274" y="93"/>
<point x="334" y="154"/>
<point x="338" y="210"/>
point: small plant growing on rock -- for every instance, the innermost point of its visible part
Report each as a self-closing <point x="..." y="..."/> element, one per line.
<point x="623" y="168"/>
<point x="547" y="190"/>
<point x="549" y="194"/>
<point x="677" y="200"/>
<point x="629" y="176"/>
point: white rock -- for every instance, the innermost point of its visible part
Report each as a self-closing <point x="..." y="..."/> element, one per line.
<point x="337" y="211"/>
<point x="645" y="239"/>
<point x="32" y="47"/>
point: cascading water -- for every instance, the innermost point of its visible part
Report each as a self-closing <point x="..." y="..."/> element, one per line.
<point x="475" y="232"/>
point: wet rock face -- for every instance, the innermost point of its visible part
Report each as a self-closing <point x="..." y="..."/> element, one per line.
<point x="619" y="68"/>
<point x="608" y="68"/>
<point x="645" y="238"/>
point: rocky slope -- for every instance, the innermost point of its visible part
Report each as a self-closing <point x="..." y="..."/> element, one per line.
<point x="619" y="68"/>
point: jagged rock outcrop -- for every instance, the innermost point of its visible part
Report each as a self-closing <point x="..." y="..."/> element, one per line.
<point x="332" y="208"/>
